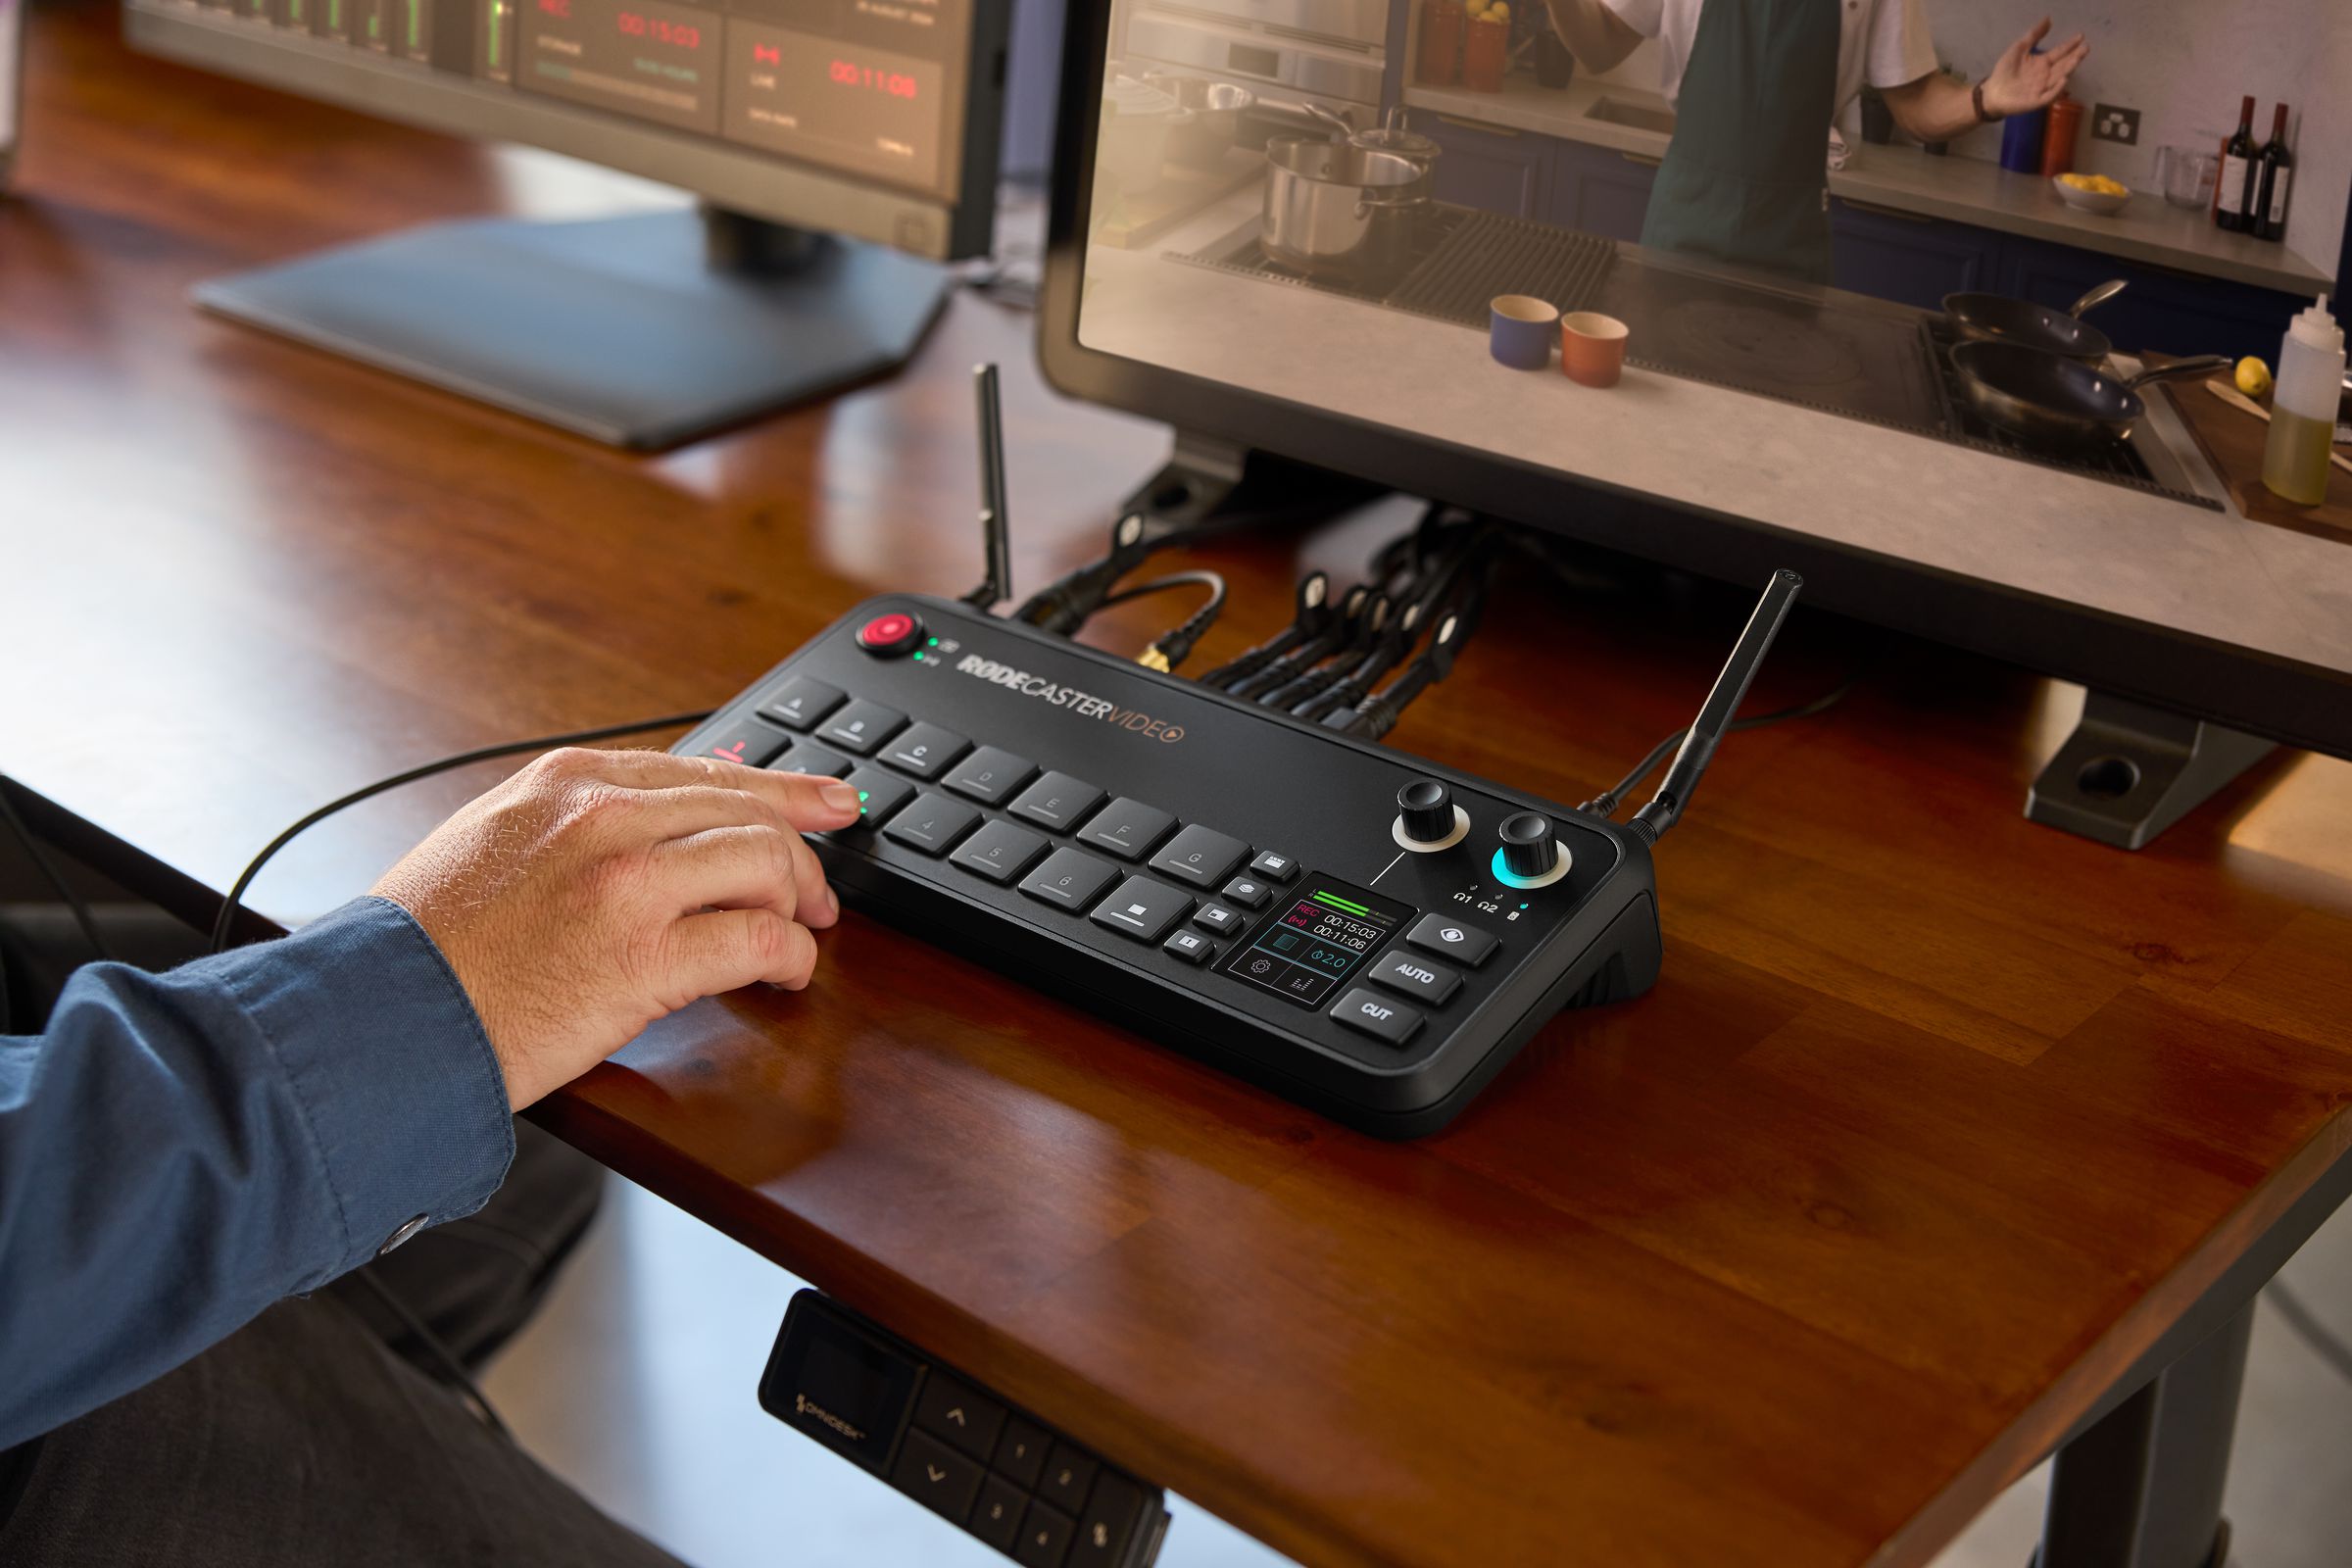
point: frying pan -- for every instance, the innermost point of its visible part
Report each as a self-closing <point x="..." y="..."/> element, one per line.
<point x="1999" y="318"/>
<point x="2056" y="402"/>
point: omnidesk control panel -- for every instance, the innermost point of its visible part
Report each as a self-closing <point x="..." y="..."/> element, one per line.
<point x="953" y="1447"/>
<point x="1356" y="929"/>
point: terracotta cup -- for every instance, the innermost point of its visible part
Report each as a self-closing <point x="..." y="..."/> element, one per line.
<point x="1592" y="348"/>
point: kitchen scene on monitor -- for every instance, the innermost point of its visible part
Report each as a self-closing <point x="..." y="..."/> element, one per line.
<point x="1980" y="224"/>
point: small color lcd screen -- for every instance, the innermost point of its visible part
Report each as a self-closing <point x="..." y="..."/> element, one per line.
<point x="1317" y="937"/>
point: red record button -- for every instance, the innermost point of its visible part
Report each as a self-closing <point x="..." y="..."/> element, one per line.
<point x="890" y="635"/>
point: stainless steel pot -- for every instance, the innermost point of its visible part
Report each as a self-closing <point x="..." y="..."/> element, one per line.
<point x="1394" y="137"/>
<point x="1216" y="107"/>
<point x="1338" y="211"/>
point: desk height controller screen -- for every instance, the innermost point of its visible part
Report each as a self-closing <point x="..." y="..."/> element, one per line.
<point x="872" y="88"/>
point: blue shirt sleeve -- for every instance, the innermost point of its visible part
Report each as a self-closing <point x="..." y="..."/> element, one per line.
<point x="179" y="1150"/>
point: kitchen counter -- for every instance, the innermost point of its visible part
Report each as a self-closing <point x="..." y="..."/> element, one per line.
<point x="1952" y="508"/>
<point x="1965" y="190"/>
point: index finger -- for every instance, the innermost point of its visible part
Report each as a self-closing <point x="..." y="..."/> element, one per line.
<point x="809" y="803"/>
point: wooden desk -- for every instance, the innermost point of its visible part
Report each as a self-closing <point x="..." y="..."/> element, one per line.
<point x="1936" y="1123"/>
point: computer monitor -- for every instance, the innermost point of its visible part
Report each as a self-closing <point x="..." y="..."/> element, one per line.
<point x="842" y="151"/>
<point x="1213" y="264"/>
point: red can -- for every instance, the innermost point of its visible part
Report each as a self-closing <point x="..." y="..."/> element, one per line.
<point x="1440" y="64"/>
<point x="1486" y="54"/>
<point x="2058" y="133"/>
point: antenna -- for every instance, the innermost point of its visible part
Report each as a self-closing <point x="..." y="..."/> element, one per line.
<point x="996" y="536"/>
<point x="1731" y="687"/>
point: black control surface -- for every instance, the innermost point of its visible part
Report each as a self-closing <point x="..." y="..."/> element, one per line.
<point x="953" y="1447"/>
<point x="1346" y="925"/>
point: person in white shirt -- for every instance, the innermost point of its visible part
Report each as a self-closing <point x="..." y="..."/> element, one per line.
<point x="1756" y="84"/>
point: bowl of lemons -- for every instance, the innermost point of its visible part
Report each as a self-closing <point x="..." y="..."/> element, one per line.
<point x="2092" y="193"/>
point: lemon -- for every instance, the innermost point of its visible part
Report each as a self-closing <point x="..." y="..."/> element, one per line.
<point x="1499" y="11"/>
<point x="2253" y="377"/>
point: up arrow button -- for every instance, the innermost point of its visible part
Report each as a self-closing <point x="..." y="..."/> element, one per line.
<point x="958" y="1415"/>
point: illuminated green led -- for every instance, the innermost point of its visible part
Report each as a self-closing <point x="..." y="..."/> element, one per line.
<point x="931" y="642"/>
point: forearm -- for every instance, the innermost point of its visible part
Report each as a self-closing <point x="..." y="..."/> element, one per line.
<point x="1934" y="108"/>
<point x="1593" y="32"/>
<point x="179" y="1150"/>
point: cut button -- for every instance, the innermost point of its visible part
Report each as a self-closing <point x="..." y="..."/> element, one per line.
<point x="1382" y="1018"/>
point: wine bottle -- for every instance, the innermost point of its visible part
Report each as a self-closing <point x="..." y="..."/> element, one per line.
<point x="2234" y="193"/>
<point x="2272" y="168"/>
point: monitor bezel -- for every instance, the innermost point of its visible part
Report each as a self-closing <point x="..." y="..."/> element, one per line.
<point x="760" y="185"/>
<point x="2263" y="694"/>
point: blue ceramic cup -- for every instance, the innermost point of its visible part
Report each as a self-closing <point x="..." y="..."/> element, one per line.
<point x="1520" y="329"/>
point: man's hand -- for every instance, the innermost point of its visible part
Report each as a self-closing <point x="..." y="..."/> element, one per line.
<point x="2022" y="82"/>
<point x="595" y="892"/>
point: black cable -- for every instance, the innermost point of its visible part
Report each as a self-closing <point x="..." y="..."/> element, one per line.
<point x="67" y="893"/>
<point x="1338" y="630"/>
<point x="1315" y="674"/>
<point x="1170" y="648"/>
<point x="439" y="1351"/>
<point x="1213" y="582"/>
<point x="1313" y="614"/>
<point x="1605" y="804"/>
<point x="2307" y="1327"/>
<point x="481" y="753"/>
<point x="1377" y="714"/>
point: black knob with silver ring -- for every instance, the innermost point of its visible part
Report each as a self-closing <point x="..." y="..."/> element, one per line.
<point x="1427" y="819"/>
<point x="1532" y="855"/>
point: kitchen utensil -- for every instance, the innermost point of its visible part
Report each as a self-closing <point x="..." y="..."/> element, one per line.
<point x="1216" y="108"/>
<point x="1593" y="348"/>
<point x="1997" y="317"/>
<point x="1392" y="136"/>
<point x="1341" y="127"/>
<point x="1341" y="211"/>
<point x="2239" y="401"/>
<point x="1519" y="330"/>
<point x="2099" y="202"/>
<point x="2052" y="401"/>
<point x="2185" y="176"/>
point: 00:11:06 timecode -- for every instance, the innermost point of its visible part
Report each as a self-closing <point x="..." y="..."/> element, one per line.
<point x="849" y="73"/>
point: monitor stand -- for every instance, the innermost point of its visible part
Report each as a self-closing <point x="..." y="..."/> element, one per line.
<point x="641" y="331"/>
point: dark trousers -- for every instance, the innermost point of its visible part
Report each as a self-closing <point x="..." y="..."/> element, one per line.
<point x="322" y="1434"/>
